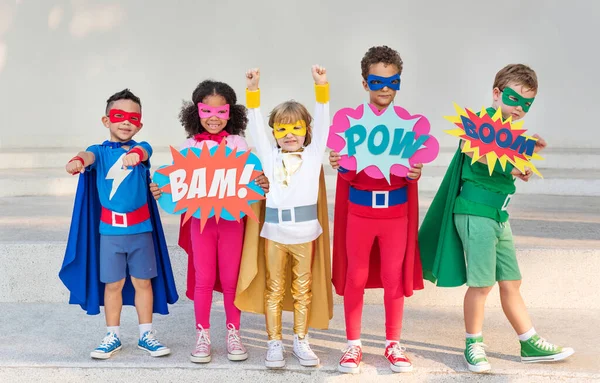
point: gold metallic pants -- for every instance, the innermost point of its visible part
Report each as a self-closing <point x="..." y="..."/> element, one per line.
<point x="277" y="256"/>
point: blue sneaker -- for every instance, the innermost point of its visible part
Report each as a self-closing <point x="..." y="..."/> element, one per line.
<point x="152" y="345"/>
<point x="110" y="344"/>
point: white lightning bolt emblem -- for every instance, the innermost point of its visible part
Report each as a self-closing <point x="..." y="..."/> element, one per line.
<point x="117" y="174"/>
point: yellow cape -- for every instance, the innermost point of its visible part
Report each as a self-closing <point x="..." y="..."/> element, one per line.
<point x="252" y="279"/>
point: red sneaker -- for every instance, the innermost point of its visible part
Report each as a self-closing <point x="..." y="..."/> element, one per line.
<point x="350" y="362"/>
<point x="399" y="362"/>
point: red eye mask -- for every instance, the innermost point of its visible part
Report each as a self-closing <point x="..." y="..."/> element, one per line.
<point x="118" y="115"/>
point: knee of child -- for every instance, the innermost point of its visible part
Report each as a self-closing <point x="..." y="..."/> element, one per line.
<point x="114" y="287"/>
<point x="141" y="284"/>
<point x="302" y="297"/>
<point x="508" y="287"/>
<point x="357" y="281"/>
<point x="481" y="290"/>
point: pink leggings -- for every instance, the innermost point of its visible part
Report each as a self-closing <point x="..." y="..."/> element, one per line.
<point x="219" y="242"/>
<point x="361" y="232"/>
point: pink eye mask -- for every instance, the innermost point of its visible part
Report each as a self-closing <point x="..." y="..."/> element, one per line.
<point x="205" y="111"/>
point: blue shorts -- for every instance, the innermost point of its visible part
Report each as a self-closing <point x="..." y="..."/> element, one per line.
<point x="133" y="251"/>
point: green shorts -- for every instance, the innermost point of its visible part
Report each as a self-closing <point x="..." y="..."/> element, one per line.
<point x="489" y="248"/>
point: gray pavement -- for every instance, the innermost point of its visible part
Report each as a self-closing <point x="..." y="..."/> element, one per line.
<point x="52" y="342"/>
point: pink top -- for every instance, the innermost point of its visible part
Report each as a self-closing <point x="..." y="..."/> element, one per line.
<point x="233" y="141"/>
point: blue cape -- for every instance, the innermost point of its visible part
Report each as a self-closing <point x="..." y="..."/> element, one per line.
<point x="80" y="271"/>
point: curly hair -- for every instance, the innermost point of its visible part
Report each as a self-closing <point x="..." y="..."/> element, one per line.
<point x="381" y="54"/>
<point x="125" y="94"/>
<point x="518" y="74"/>
<point x="189" y="111"/>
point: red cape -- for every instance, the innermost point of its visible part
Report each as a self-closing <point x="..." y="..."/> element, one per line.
<point x="412" y="272"/>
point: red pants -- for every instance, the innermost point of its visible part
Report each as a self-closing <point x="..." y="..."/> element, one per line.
<point x="361" y="232"/>
<point x="219" y="242"/>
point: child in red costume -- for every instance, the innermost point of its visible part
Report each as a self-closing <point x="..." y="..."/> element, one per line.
<point x="376" y="223"/>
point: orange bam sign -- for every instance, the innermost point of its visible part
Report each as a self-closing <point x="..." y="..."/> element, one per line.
<point x="205" y="183"/>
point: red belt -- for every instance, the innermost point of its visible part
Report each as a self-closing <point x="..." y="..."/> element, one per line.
<point x="125" y="219"/>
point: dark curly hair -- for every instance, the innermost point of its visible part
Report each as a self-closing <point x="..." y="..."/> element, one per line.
<point x="381" y="54"/>
<point x="189" y="111"/>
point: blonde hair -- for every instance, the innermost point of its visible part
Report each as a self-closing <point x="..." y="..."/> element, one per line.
<point x="519" y="74"/>
<point x="289" y="112"/>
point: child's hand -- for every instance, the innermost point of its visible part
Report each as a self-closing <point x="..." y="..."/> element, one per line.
<point x="523" y="176"/>
<point x="415" y="171"/>
<point x="75" y="166"/>
<point x="334" y="159"/>
<point x="540" y="144"/>
<point x="252" y="79"/>
<point x="263" y="182"/>
<point x="319" y="75"/>
<point x="131" y="159"/>
<point x="156" y="192"/>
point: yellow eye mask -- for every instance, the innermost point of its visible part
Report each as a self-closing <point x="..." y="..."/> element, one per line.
<point x="298" y="128"/>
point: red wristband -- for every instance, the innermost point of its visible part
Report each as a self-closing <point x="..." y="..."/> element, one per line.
<point x="77" y="158"/>
<point x="139" y="152"/>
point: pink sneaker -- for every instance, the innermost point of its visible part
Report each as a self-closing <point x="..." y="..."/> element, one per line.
<point x="235" y="348"/>
<point x="350" y="362"/>
<point x="201" y="353"/>
<point x="399" y="362"/>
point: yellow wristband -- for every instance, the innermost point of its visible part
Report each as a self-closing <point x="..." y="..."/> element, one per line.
<point x="322" y="93"/>
<point x="252" y="99"/>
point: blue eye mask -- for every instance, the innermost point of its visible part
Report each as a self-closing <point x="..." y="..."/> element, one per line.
<point x="378" y="82"/>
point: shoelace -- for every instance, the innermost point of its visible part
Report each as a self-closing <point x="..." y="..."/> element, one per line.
<point x="397" y="351"/>
<point x="203" y="341"/>
<point x="476" y="350"/>
<point x="351" y="352"/>
<point x="304" y="346"/>
<point x="545" y="345"/>
<point x="234" y="343"/>
<point x="151" y="340"/>
<point x="275" y="349"/>
<point x="108" y="340"/>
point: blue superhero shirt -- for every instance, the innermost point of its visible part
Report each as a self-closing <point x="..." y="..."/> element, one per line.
<point x="121" y="190"/>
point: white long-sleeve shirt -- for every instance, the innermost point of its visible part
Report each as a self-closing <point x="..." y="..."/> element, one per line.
<point x="303" y="188"/>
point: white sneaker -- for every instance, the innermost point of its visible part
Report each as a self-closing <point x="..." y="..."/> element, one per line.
<point x="275" y="357"/>
<point x="201" y="353"/>
<point x="303" y="352"/>
<point x="235" y="349"/>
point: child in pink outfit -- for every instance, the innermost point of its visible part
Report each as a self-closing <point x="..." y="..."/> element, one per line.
<point x="214" y="254"/>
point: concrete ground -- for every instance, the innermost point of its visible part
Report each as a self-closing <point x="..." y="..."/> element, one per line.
<point x="51" y="342"/>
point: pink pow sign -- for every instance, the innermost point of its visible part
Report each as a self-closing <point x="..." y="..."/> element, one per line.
<point x="381" y="142"/>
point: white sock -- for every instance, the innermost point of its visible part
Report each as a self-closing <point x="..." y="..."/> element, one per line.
<point x="145" y="328"/>
<point x="525" y="336"/>
<point x="114" y="329"/>
<point x="356" y="342"/>
<point x="388" y="342"/>
<point x="471" y="336"/>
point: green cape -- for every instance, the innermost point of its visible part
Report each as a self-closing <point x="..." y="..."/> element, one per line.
<point x="442" y="253"/>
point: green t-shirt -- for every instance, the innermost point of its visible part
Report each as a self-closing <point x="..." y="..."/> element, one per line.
<point x="501" y="181"/>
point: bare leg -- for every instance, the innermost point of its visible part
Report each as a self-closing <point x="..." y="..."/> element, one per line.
<point x="143" y="299"/>
<point x="514" y="306"/>
<point x="474" y="306"/>
<point x="113" y="302"/>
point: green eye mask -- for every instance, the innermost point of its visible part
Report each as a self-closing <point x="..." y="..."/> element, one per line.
<point x="512" y="98"/>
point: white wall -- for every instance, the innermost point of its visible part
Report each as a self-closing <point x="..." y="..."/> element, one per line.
<point x="60" y="60"/>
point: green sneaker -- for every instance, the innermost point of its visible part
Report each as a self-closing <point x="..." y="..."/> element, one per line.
<point x="475" y="355"/>
<point x="537" y="349"/>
